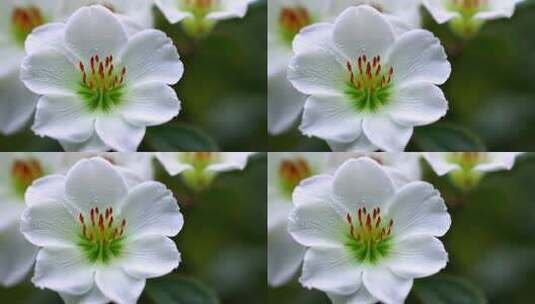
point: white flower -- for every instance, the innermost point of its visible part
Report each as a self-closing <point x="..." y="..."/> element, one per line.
<point x="198" y="169"/>
<point x="367" y="87"/>
<point x="285" y="19"/>
<point x="137" y="11"/>
<point x="101" y="87"/>
<point x="17" y="172"/>
<point x="367" y="241"/>
<point x="402" y="168"/>
<point x="200" y="16"/>
<point x="100" y="239"/>
<point x="467" y="16"/>
<point x="285" y="172"/>
<point x="17" y="20"/>
<point x="467" y="168"/>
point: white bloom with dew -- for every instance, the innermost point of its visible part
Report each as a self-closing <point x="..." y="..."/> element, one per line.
<point x="467" y="16"/>
<point x="367" y="241"/>
<point x="136" y="11"/>
<point x="100" y="239"/>
<point x="17" y="173"/>
<point x="200" y="16"/>
<point x="285" y="172"/>
<point x="402" y="168"/>
<point x="467" y="168"/>
<point x="368" y="87"/>
<point x="101" y="86"/>
<point x="17" y="20"/>
<point x="198" y="169"/>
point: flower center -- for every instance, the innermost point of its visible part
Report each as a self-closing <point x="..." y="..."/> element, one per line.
<point x="102" y="83"/>
<point x="101" y="235"/>
<point x="467" y="160"/>
<point x="199" y="8"/>
<point x="369" y="84"/>
<point x="467" y="8"/>
<point x="292" y="20"/>
<point x="24" y="20"/>
<point x="369" y="237"/>
<point x="291" y="173"/>
<point x="200" y="160"/>
<point x="23" y="173"/>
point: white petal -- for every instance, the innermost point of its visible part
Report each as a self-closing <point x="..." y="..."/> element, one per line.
<point x="16" y="257"/>
<point x="362" y="183"/>
<point x="50" y="224"/>
<point x="171" y="162"/>
<point x="284" y="255"/>
<point x="15" y="56"/>
<point x="386" y="134"/>
<point x="386" y="286"/>
<point x="118" y="286"/>
<point x="150" y="105"/>
<point x="362" y="296"/>
<point x="93" y="144"/>
<point x="17" y="103"/>
<point x="318" y="224"/>
<point x="230" y="9"/>
<point x="317" y="35"/>
<point x="49" y="189"/>
<point x="331" y="270"/>
<point x="54" y="113"/>
<point x="93" y="296"/>
<point x="94" y="183"/>
<point x="119" y="134"/>
<point x="439" y="162"/>
<point x="314" y="190"/>
<point x="285" y="103"/>
<point x="354" y="36"/>
<point x="170" y="10"/>
<point x="49" y="36"/>
<point x="418" y="104"/>
<point x="151" y="209"/>
<point x="317" y="72"/>
<point x="417" y="208"/>
<point x="362" y="143"/>
<point x="230" y="161"/>
<point x="49" y="72"/>
<point x="63" y="270"/>
<point x="331" y="118"/>
<point x="498" y="161"/>
<point x="439" y="11"/>
<point x="418" y="56"/>
<point x="417" y="257"/>
<point x="150" y="257"/>
<point x="150" y="56"/>
<point x="94" y="31"/>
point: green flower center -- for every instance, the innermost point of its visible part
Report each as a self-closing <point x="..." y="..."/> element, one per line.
<point x="291" y="173"/>
<point x="101" y="83"/>
<point x="101" y="235"/>
<point x="292" y="20"/>
<point x="369" y="238"/>
<point x="370" y="84"/>
<point x="200" y="160"/>
<point x="23" y="173"/>
<point x="466" y="177"/>
<point x="24" y="20"/>
<point x="199" y="178"/>
<point x="199" y="8"/>
<point x="467" y="8"/>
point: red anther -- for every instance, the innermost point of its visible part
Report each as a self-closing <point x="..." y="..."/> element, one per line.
<point x="364" y="58"/>
<point x="349" y="219"/>
<point x="110" y="70"/>
<point x="369" y="222"/>
<point x="360" y="217"/>
<point x="97" y="59"/>
<point x="101" y="70"/>
<point x="81" y="218"/>
<point x="110" y="222"/>
<point x="378" y="222"/>
<point x="378" y="71"/>
<point x="97" y="211"/>
<point x="92" y="217"/>
<point x="365" y="211"/>
<point x="82" y="67"/>
<point x="101" y="222"/>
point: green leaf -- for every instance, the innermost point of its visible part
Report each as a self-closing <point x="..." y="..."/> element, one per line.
<point x="174" y="289"/>
<point x="446" y="137"/>
<point x="179" y="137"/>
<point x="446" y="289"/>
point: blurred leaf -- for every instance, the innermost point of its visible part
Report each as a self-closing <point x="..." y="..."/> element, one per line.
<point x="179" y="137"/>
<point x="178" y="290"/>
<point x="445" y="289"/>
<point x="446" y="137"/>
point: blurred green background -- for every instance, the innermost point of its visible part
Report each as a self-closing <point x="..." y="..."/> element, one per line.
<point x="491" y="91"/>
<point x="223" y="91"/>
<point x="490" y="244"/>
<point x="223" y="245"/>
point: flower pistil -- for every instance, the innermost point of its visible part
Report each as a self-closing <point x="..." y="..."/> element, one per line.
<point x="24" y="172"/>
<point x="292" y="20"/>
<point x="24" y="20"/>
<point x="292" y="172"/>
